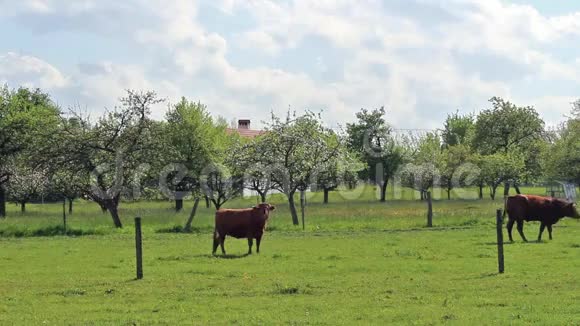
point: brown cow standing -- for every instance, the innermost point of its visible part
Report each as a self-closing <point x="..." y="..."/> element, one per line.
<point x="547" y="210"/>
<point x="241" y="223"/>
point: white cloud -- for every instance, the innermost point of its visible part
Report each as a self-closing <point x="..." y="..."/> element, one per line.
<point x="106" y="83"/>
<point x="30" y="71"/>
<point x="378" y="54"/>
<point x="552" y="108"/>
<point x="261" y="40"/>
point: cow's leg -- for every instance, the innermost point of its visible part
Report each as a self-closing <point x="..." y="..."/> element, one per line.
<point x="250" y="243"/>
<point x="510" y="226"/>
<point x="550" y="230"/>
<point x="222" y="240"/>
<point x="521" y="230"/>
<point x="542" y="227"/>
<point x="258" y="240"/>
<point x="216" y="243"/>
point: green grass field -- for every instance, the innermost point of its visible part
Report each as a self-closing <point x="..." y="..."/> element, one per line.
<point x="357" y="262"/>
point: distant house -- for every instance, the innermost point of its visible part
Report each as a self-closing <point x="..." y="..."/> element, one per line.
<point x="244" y="129"/>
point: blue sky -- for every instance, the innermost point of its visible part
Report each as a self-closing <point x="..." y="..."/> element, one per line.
<point x="420" y="59"/>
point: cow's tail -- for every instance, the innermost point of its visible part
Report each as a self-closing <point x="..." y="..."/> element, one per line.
<point x="505" y="200"/>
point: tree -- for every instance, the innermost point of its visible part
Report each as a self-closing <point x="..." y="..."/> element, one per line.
<point x="192" y="135"/>
<point x="576" y="110"/>
<point x="296" y="148"/>
<point x="248" y="160"/>
<point x="196" y="142"/>
<point x="508" y="128"/>
<point x="27" y="119"/>
<point x="66" y="184"/>
<point x="422" y="173"/>
<point x="26" y="184"/>
<point x="217" y="181"/>
<point x="451" y="160"/>
<point x="499" y="168"/>
<point x="342" y="167"/>
<point x="458" y="130"/>
<point x="563" y="157"/>
<point x="371" y="137"/>
<point x="111" y="150"/>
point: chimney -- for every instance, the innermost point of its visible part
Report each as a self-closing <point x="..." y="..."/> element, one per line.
<point x="243" y="124"/>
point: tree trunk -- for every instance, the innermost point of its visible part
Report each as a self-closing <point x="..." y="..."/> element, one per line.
<point x="506" y="189"/>
<point x="103" y="207"/>
<point x="384" y="191"/>
<point x="187" y="226"/>
<point x="70" y="206"/>
<point x="23" y="207"/>
<point x="178" y="205"/>
<point x="480" y="192"/>
<point x="112" y="207"/>
<point x="293" y="208"/>
<point x="448" y="194"/>
<point x="517" y="188"/>
<point x="422" y="195"/>
<point x="302" y="205"/>
<point x="2" y="201"/>
<point x="492" y="191"/>
<point x="326" y="196"/>
<point x="263" y="196"/>
<point x="207" y="204"/>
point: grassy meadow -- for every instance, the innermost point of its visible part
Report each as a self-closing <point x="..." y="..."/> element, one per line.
<point x="357" y="262"/>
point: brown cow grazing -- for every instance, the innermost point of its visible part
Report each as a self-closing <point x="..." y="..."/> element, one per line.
<point x="547" y="210"/>
<point x="241" y="223"/>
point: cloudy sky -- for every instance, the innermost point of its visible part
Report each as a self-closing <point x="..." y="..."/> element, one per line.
<point x="421" y="59"/>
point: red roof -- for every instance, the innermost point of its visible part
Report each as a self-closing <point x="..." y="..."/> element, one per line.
<point x="246" y="133"/>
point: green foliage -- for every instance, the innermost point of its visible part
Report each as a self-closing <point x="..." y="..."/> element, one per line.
<point x="451" y="161"/>
<point x="218" y="182"/>
<point x="194" y="136"/>
<point x="113" y="150"/>
<point x="296" y="149"/>
<point x="563" y="158"/>
<point x="199" y="143"/>
<point x="341" y="167"/>
<point x="248" y="159"/>
<point x="506" y="127"/>
<point x="458" y="130"/>
<point x="371" y="138"/>
<point x="576" y="110"/>
<point x="422" y="173"/>
<point x="27" y="117"/>
<point x="499" y="168"/>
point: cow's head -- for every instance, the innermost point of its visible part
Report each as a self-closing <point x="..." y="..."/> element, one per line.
<point x="265" y="209"/>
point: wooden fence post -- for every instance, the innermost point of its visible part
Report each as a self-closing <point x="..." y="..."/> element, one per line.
<point x="138" y="248"/>
<point x="302" y="203"/>
<point x="499" y="224"/>
<point x="429" y="210"/>
<point x="64" y="214"/>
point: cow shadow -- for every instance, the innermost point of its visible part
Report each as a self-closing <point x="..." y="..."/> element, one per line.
<point x="220" y="256"/>
<point x="538" y="242"/>
<point x="230" y="256"/>
<point x="495" y="243"/>
<point x="506" y="243"/>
